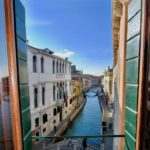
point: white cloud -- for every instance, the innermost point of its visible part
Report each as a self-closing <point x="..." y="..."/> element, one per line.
<point x="65" y="53"/>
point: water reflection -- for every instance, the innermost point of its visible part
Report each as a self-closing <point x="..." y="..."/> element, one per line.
<point x="5" y="113"/>
<point x="5" y="116"/>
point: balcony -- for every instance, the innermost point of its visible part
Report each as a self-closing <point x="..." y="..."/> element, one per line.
<point x="60" y="76"/>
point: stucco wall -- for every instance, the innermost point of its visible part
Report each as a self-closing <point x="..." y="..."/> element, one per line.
<point x="47" y="79"/>
<point x="119" y="83"/>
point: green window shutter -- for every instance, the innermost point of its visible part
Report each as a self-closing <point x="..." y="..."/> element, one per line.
<point x="132" y="72"/>
<point x="21" y="48"/>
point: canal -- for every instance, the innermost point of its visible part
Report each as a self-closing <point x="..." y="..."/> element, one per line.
<point x="88" y="122"/>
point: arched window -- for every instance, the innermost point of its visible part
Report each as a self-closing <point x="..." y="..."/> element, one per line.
<point x="63" y="88"/>
<point x="63" y="68"/>
<point x="57" y="66"/>
<point x="43" y="95"/>
<point x="42" y="65"/>
<point x="45" y="118"/>
<point x="35" y="97"/>
<point x="57" y="91"/>
<point x="57" y="94"/>
<point x="53" y="67"/>
<point x="58" y="109"/>
<point x="55" y="112"/>
<point x="60" y="67"/>
<point x="54" y="91"/>
<point x="70" y="101"/>
<point x="34" y="63"/>
<point x="60" y="91"/>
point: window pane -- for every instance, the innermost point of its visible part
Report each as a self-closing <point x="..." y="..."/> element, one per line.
<point x="43" y="95"/>
<point x="42" y="65"/>
<point x="35" y="97"/>
<point x="5" y="111"/>
<point x="34" y="64"/>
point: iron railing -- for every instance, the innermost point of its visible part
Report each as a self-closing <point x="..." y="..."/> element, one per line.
<point x="61" y="141"/>
<point x="77" y="137"/>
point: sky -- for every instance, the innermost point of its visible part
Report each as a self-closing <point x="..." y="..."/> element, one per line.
<point x="77" y="29"/>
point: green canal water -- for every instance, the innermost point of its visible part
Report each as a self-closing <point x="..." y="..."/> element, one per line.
<point x="88" y="122"/>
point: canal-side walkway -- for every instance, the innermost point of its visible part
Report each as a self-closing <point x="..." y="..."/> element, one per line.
<point x="108" y="142"/>
<point x="107" y="117"/>
<point x="60" y="128"/>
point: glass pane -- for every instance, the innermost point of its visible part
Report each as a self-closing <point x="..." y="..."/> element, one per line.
<point x="5" y="112"/>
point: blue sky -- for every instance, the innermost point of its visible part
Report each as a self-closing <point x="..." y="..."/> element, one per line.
<point x="79" y="29"/>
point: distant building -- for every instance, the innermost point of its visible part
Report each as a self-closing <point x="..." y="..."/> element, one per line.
<point x="76" y="74"/>
<point x="108" y="81"/>
<point x="73" y="68"/>
<point x="77" y="95"/>
<point x="74" y="71"/>
<point x="87" y="80"/>
<point x="50" y="89"/>
<point x="87" y="83"/>
<point x="102" y="80"/>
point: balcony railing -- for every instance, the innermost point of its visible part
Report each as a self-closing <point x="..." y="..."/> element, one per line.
<point x="71" y="142"/>
<point x="60" y="75"/>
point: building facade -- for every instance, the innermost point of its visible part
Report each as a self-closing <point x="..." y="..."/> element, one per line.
<point x="87" y="83"/>
<point x="108" y="82"/>
<point x="77" y="92"/>
<point x="50" y="89"/>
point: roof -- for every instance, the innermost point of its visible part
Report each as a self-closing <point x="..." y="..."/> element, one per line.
<point x="48" y="52"/>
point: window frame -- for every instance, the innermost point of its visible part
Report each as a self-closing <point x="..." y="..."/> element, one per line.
<point x="34" y="63"/>
<point x="45" y="118"/>
<point x="42" y="65"/>
<point x="37" y="123"/>
<point x="53" y="67"/>
<point x="43" y="95"/>
<point x="35" y="97"/>
<point x="54" y="92"/>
